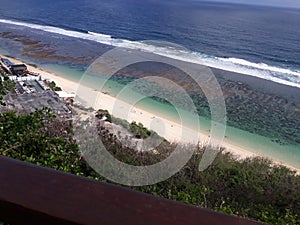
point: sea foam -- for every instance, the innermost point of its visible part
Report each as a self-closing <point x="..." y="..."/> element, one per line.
<point x="285" y="76"/>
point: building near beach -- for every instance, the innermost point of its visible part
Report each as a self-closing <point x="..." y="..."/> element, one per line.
<point x="14" y="69"/>
<point x="7" y="62"/>
<point x="19" y="69"/>
<point x="65" y="95"/>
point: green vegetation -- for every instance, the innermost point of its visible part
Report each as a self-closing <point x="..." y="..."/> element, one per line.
<point x="139" y="130"/>
<point x="39" y="138"/>
<point x="6" y="85"/>
<point x="101" y="112"/>
<point x="53" y="86"/>
<point x="252" y="188"/>
<point x="121" y="122"/>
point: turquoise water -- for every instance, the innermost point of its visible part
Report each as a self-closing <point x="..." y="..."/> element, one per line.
<point x="258" y="144"/>
<point x="3" y="52"/>
<point x="63" y="71"/>
<point x="265" y="146"/>
<point x="289" y="154"/>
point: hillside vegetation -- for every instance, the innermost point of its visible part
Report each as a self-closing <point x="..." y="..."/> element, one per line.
<point x="252" y="188"/>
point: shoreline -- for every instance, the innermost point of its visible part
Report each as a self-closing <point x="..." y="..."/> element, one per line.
<point x="172" y="130"/>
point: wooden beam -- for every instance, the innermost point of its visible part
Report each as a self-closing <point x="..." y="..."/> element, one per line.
<point x="35" y="195"/>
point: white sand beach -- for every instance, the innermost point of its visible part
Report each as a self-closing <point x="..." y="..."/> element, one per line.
<point x="165" y="127"/>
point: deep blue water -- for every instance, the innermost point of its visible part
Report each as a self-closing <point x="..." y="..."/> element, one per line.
<point x="261" y="41"/>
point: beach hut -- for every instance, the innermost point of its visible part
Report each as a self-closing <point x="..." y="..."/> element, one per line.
<point x="19" y="69"/>
<point x="64" y="95"/>
<point x="7" y="62"/>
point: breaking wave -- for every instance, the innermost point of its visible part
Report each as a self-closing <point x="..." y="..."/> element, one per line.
<point x="286" y="76"/>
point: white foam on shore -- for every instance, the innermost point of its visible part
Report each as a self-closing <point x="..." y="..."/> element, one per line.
<point x="280" y="75"/>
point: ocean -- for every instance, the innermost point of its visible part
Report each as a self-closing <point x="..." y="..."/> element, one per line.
<point x="251" y="40"/>
<point x="260" y="41"/>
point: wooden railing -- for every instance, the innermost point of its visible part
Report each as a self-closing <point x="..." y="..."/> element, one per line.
<point x="32" y="195"/>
